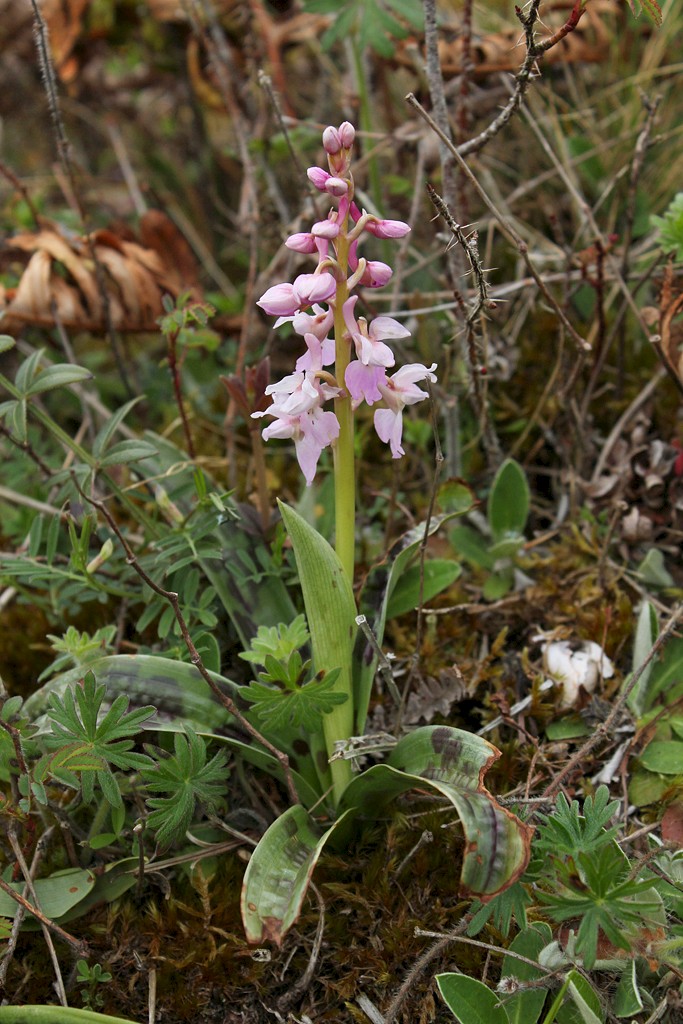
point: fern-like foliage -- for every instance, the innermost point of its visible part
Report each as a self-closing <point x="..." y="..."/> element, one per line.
<point x="186" y="778"/>
<point x="89" y="746"/>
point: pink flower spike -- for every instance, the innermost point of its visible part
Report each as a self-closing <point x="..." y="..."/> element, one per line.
<point x="370" y="348"/>
<point x="355" y="213"/>
<point x="280" y="300"/>
<point x="386" y="228"/>
<point x="284" y="300"/>
<point x="312" y="357"/>
<point x="318" y="177"/>
<point x="386" y="327"/>
<point x="389" y="427"/>
<point x="317" y="430"/>
<point x="325" y="229"/>
<point x="398" y="391"/>
<point x="362" y="382"/>
<point x="302" y="241"/>
<point x="315" y="288"/>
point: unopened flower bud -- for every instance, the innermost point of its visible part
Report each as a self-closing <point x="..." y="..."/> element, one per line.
<point x="387" y="228"/>
<point x="347" y="134"/>
<point x="325" y="229"/>
<point x="318" y="177"/>
<point x="336" y="186"/>
<point x="302" y="241"/>
<point x="376" y="274"/>
<point x="106" y="551"/>
<point x="331" y="140"/>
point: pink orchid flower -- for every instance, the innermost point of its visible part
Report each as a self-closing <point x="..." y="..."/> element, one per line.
<point x="399" y="391"/>
<point x="320" y="352"/>
<point x="286" y="299"/>
<point x="369" y="342"/>
<point x="311" y="432"/>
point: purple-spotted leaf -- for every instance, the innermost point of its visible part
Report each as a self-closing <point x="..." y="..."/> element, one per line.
<point x="454" y="763"/>
<point x="449" y="761"/>
<point x="278" y="874"/>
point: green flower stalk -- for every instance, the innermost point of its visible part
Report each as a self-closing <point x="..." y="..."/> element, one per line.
<point x="346" y="369"/>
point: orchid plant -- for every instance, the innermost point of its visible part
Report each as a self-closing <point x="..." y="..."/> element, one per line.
<point x="348" y="363"/>
<point x="299" y="399"/>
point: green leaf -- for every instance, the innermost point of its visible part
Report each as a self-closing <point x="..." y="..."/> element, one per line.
<point x="666" y="672"/>
<point x="278" y="875"/>
<point x="101" y="442"/>
<point x="187" y="779"/>
<point x="454" y="763"/>
<point x="508" y="505"/>
<point x="301" y="706"/>
<point x="439" y="573"/>
<point x="377" y="593"/>
<point x="664" y="757"/>
<point x="127" y="451"/>
<point x="6" y="343"/>
<point x="331" y="616"/>
<point x="627" y="1001"/>
<point x="581" y="1003"/>
<point x="56" y="894"/>
<point x="647" y="630"/>
<point x="467" y="543"/>
<point x="26" y="1014"/>
<point x="652" y="569"/>
<point x="470" y="1001"/>
<point x="525" y="1006"/>
<point x="57" y="376"/>
<point x="498" y="584"/>
<point x="449" y="761"/>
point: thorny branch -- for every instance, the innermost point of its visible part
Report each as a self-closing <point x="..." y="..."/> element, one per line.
<point x="534" y="50"/>
<point x="506" y="227"/>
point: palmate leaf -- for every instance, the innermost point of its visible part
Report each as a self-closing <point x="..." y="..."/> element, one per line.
<point x="180" y="694"/>
<point x="91" y="747"/>
<point x="450" y="761"/>
<point x="299" y="706"/>
<point x="187" y="779"/>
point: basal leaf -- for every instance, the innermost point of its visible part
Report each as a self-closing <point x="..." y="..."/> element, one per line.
<point x="331" y="616"/>
<point x="508" y="505"/>
<point x="451" y="762"/>
<point x="278" y="875"/>
<point x="454" y="763"/>
<point x="470" y="1001"/>
<point x="56" y="894"/>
